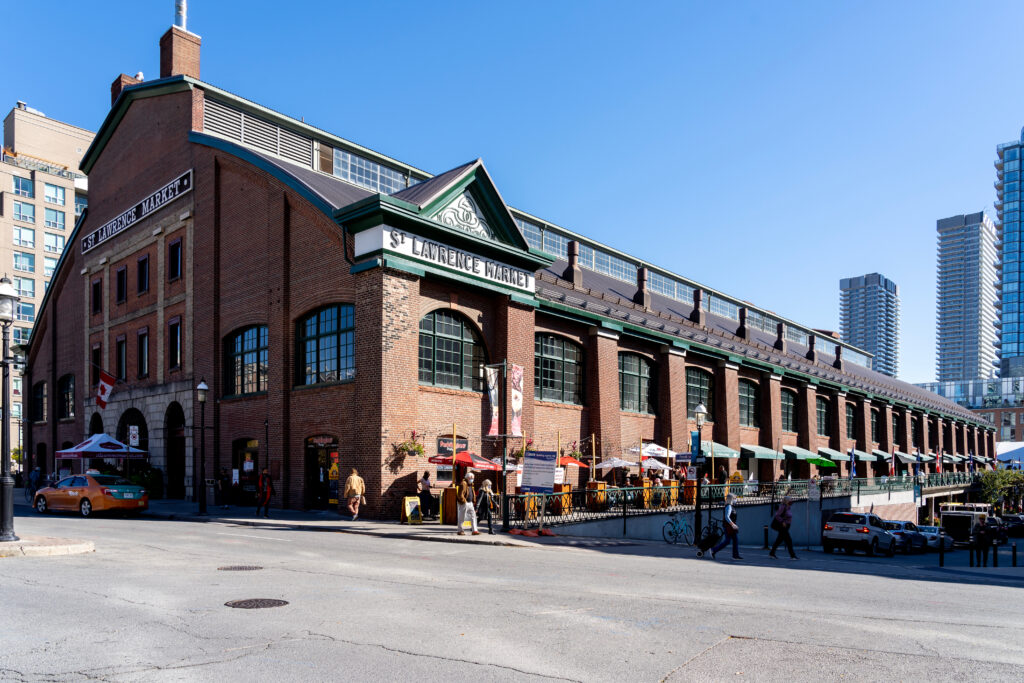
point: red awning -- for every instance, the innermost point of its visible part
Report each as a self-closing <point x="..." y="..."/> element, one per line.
<point x="466" y="459"/>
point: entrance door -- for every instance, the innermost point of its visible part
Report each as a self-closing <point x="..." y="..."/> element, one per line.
<point x="245" y="470"/>
<point x="174" y="450"/>
<point x="322" y="472"/>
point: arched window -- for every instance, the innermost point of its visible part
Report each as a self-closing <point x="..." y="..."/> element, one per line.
<point x="824" y="417"/>
<point x="851" y="421"/>
<point x="700" y="388"/>
<point x="451" y="352"/>
<point x="557" y="369"/>
<point x="66" y="397"/>
<point x="325" y="348"/>
<point x="245" y="361"/>
<point x="749" y="404"/>
<point x="874" y="425"/>
<point x="637" y="384"/>
<point x="39" y="402"/>
<point x="788" y="400"/>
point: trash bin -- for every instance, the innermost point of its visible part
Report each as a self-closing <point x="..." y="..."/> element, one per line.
<point x="211" y="492"/>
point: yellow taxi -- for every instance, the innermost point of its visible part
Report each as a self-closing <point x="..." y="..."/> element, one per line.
<point x="92" y="492"/>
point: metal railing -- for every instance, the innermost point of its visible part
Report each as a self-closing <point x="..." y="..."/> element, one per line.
<point x="528" y="510"/>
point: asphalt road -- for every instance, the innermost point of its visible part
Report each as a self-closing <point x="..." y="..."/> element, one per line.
<point x="149" y="605"/>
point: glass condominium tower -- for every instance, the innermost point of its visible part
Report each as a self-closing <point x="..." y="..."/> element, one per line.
<point x="967" y="298"/>
<point x="1008" y="191"/>
<point x="869" y="317"/>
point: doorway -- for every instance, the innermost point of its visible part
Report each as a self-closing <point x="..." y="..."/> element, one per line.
<point x="174" y="450"/>
<point x="322" y="472"/>
<point x="245" y="470"/>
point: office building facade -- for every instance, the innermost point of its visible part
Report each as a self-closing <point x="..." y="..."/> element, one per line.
<point x="1008" y="191"/>
<point x="967" y="298"/>
<point x="869" y="318"/>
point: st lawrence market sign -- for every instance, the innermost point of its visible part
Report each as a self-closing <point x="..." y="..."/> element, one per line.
<point x="387" y="238"/>
<point x="155" y="201"/>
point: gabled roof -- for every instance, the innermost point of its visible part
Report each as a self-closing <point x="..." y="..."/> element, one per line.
<point x="421" y="193"/>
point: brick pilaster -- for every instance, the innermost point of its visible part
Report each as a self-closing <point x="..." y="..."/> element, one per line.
<point x="727" y="405"/>
<point x="602" y="391"/>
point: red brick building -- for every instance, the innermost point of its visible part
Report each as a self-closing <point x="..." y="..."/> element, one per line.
<point x="337" y="301"/>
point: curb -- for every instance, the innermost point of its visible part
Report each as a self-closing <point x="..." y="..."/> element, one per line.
<point x="29" y="547"/>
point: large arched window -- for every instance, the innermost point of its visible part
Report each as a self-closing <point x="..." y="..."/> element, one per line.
<point x="788" y="400"/>
<point x="824" y="417"/>
<point x="245" y="361"/>
<point x="66" y="397"/>
<point x="749" y="404"/>
<point x="325" y="348"/>
<point x="557" y="369"/>
<point x="700" y="388"/>
<point x="451" y="352"/>
<point x="637" y="384"/>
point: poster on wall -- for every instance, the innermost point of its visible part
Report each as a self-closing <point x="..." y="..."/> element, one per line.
<point x="539" y="471"/>
<point x="492" y="394"/>
<point x="332" y="479"/>
<point x="515" y="373"/>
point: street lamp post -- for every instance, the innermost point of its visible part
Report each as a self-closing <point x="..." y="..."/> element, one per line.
<point x="8" y="300"/>
<point x="201" y="390"/>
<point x="700" y="413"/>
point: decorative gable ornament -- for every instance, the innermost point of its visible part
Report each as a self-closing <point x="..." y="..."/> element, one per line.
<point x="463" y="214"/>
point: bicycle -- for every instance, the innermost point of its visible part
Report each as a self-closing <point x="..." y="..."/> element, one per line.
<point x="709" y="536"/>
<point x="677" y="527"/>
<point x="30" y="492"/>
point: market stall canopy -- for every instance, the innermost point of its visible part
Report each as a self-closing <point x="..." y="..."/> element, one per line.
<point x="653" y="450"/>
<point x="821" y="462"/>
<point x="952" y="459"/>
<point x="101" y="446"/>
<point x="927" y="457"/>
<point x="615" y="462"/>
<point x="906" y="459"/>
<point x="760" y="452"/>
<point x="881" y="455"/>
<point x="832" y="454"/>
<point x="466" y="459"/>
<point x="721" y="451"/>
<point x="798" y="453"/>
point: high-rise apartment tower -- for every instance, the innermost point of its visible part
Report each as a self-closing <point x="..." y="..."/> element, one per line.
<point x="1008" y="186"/>
<point x="967" y="298"/>
<point x="869" y="317"/>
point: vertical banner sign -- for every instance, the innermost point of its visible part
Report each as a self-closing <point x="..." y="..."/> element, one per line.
<point x="539" y="471"/>
<point x="492" y="375"/>
<point x="515" y="373"/>
<point x="103" y="389"/>
<point x="696" y="457"/>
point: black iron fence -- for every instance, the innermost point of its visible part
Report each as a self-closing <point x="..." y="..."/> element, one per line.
<point x="531" y="510"/>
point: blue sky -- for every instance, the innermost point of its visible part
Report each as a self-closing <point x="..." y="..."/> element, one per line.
<point x="764" y="149"/>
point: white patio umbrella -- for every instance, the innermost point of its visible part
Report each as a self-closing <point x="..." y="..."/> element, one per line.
<point x="615" y="462"/>
<point x="652" y="464"/>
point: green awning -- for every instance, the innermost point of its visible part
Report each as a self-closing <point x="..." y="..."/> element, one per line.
<point x="798" y="453"/>
<point x="833" y="455"/>
<point x="881" y="455"/>
<point x="906" y="459"/>
<point x="952" y="459"/>
<point x="760" y="452"/>
<point x="927" y="457"/>
<point x="867" y="457"/>
<point x="721" y="451"/>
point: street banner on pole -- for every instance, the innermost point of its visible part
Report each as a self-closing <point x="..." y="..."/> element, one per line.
<point x="696" y="457"/>
<point x="515" y="373"/>
<point x="493" y="374"/>
<point x="539" y="471"/>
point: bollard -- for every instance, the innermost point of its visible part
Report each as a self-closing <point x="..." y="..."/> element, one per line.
<point x="942" y="549"/>
<point x="765" y="538"/>
<point x="1013" y="547"/>
<point x="995" y="553"/>
<point x="971" y="550"/>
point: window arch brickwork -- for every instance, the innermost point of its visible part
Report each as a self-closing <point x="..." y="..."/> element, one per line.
<point x="558" y="369"/>
<point x="451" y="353"/>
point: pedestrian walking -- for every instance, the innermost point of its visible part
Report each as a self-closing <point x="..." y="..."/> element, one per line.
<point x="221" y="492"/>
<point x="355" y="492"/>
<point x="732" y="530"/>
<point x="264" y="490"/>
<point x="467" y="503"/>
<point x="33" y="479"/>
<point x="487" y="506"/>
<point x="982" y="542"/>
<point x="781" y="522"/>
<point x="426" y="497"/>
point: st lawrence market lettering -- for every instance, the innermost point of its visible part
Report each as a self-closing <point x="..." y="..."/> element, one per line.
<point x="457" y="259"/>
<point x="127" y="219"/>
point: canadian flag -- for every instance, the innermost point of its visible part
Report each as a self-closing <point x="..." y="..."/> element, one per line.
<point x="103" y="389"/>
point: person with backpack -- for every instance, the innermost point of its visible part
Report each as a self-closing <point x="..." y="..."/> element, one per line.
<point x="487" y="505"/>
<point x="732" y="530"/>
<point x="781" y="522"/>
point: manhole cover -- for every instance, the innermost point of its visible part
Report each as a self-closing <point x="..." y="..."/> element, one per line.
<point x="256" y="603"/>
<point x="239" y="568"/>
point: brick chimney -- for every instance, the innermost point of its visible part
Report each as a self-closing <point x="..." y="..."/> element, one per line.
<point x="838" y="364"/>
<point x="743" y="331"/>
<point x="697" y="314"/>
<point x="119" y="84"/>
<point x="573" y="273"/>
<point x="179" y="53"/>
<point x="812" y="351"/>
<point x="780" y="337"/>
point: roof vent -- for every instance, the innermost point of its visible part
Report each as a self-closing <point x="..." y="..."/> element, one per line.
<point x="181" y="14"/>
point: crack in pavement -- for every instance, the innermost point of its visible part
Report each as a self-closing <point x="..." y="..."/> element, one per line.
<point x="702" y="652"/>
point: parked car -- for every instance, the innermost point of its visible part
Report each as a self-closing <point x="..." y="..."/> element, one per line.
<point x="92" y="492"/>
<point x="908" y="538"/>
<point x="931" y="534"/>
<point x="857" y="531"/>
<point x="997" y="529"/>
<point x="1014" y="525"/>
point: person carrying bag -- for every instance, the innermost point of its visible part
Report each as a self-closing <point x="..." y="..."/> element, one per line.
<point x="781" y="522"/>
